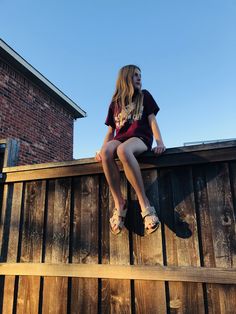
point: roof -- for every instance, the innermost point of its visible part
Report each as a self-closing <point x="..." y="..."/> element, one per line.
<point x="34" y="75"/>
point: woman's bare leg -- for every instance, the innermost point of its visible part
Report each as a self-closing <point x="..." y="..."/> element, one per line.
<point x="126" y="153"/>
<point x="112" y="172"/>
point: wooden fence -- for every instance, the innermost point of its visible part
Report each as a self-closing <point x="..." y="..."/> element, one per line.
<point x="58" y="256"/>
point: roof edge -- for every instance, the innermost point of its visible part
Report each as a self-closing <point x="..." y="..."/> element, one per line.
<point x="13" y="56"/>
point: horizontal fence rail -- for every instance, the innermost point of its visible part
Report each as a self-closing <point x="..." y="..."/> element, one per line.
<point x="159" y="273"/>
<point x="172" y="157"/>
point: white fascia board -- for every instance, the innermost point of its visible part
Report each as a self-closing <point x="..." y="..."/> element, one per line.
<point x="80" y="113"/>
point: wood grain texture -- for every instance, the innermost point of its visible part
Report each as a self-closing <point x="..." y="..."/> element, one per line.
<point x="222" y="237"/>
<point x="147" y="250"/>
<point x="2" y="238"/>
<point x="223" y="145"/>
<point x="11" y="153"/>
<point x="232" y="172"/>
<point x="195" y="243"/>
<point x="120" y="293"/>
<point x="84" y="296"/>
<point x="57" y="244"/>
<point x="31" y="245"/>
<point x="206" y="236"/>
<point x="12" y="209"/>
<point x="199" y="154"/>
<point x="136" y="272"/>
<point x="182" y="241"/>
<point x="105" y="245"/>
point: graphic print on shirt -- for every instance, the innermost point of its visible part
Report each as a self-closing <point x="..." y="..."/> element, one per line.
<point x="128" y="115"/>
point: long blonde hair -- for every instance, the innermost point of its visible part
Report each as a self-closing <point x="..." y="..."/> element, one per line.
<point x="124" y="91"/>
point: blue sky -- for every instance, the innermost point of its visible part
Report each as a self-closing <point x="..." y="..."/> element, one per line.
<point x="185" y="49"/>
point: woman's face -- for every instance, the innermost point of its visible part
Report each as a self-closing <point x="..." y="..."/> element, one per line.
<point x="137" y="79"/>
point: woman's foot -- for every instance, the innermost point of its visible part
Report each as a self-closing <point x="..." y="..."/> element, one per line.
<point x="151" y="220"/>
<point x="117" y="220"/>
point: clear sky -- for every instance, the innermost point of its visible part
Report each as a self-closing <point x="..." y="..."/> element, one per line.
<point x="185" y="49"/>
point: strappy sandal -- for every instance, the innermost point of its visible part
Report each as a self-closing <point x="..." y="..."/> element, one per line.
<point x="118" y="220"/>
<point x="151" y="220"/>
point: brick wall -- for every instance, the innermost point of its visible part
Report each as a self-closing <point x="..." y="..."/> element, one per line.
<point x="44" y="127"/>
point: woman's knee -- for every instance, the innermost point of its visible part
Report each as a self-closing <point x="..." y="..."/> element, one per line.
<point x="107" y="152"/>
<point x="123" y="153"/>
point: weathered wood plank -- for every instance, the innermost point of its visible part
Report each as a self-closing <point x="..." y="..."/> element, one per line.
<point x="232" y="174"/>
<point x="223" y="145"/>
<point x="11" y="212"/>
<point x="221" y="221"/>
<point x="10" y="221"/>
<point x="1" y="158"/>
<point x="215" y="201"/>
<point x="206" y="237"/>
<point x="48" y="173"/>
<point x="147" y="250"/>
<point x="221" y="214"/>
<point x="57" y="244"/>
<point x="105" y="245"/>
<point x="177" y="157"/>
<point x="136" y="272"/>
<point x="182" y="243"/>
<point x="84" y="296"/>
<point x="5" y="216"/>
<point x="2" y="219"/>
<point x="120" y="293"/>
<point x="31" y="245"/>
<point x="11" y="152"/>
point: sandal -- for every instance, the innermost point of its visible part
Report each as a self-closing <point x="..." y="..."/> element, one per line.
<point x="117" y="220"/>
<point x="151" y="220"/>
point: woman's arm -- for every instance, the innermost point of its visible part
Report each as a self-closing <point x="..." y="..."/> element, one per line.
<point x="108" y="137"/>
<point x="160" y="148"/>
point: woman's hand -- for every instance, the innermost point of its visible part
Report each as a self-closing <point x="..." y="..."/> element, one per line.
<point x="98" y="156"/>
<point x="159" y="149"/>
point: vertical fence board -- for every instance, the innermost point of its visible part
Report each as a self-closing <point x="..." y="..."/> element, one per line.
<point x="221" y="221"/>
<point x="31" y="245"/>
<point x="11" y="207"/>
<point x="3" y="256"/>
<point x="147" y="250"/>
<point x="232" y="168"/>
<point x="1" y="188"/>
<point x="120" y="293"/>
<point x="206" y="239"/>
<point x="84" y="297"/>
<point x="57" y="244"/>
<point x="221" y="214"/>
<point x="105" y="245"/>
<point x="166" y="215"/>
<point x="182" y="246"/>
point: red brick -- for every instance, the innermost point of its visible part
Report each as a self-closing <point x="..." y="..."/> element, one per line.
<point x="43" y="126"/>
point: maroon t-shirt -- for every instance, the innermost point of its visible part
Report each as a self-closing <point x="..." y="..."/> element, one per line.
<point x="128" y="125"/>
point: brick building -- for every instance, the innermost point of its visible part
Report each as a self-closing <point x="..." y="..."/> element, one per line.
<point x="34" y="112"/>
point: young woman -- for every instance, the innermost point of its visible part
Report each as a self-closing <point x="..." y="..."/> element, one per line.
<point x="131" y="125"/>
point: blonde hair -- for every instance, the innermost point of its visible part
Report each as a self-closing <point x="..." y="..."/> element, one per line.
<point x="124" y="91"/>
